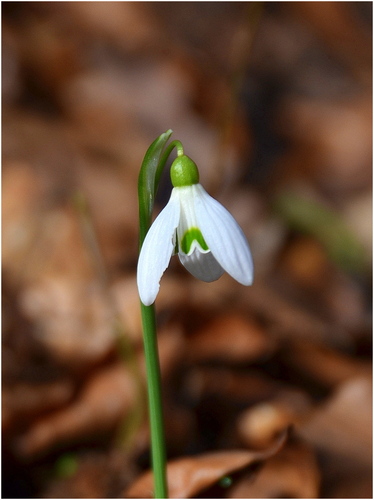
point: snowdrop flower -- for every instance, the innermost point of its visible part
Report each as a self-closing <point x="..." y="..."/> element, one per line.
<point x="206" y="237"/>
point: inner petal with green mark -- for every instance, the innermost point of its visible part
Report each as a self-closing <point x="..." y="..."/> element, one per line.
<point x="193" y="234"/>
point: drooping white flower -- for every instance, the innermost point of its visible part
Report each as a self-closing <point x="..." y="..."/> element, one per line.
<point x="205" y="235"/>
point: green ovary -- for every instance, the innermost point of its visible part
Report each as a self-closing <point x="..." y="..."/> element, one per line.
<point x="189" y="237"/>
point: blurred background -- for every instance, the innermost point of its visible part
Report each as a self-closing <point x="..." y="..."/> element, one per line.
<point x="273" y="101"/>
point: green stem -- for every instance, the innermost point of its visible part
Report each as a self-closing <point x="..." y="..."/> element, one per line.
<point x="155" y="401"/>
<point x="149" y="178"/>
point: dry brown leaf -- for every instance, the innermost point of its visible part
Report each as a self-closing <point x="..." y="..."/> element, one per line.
<point x="230" y="338"/>
<point x="349" y="482"/>
<point x="128" y="26"/>
<point x="73" y="319"/>
<point x="324" y="365"/>
<point x="98" y="475"/>
<point x="334" y="141"/>
<point x="46" y="51"/>
<point x="126" y="302"/>
<point x="106" y="398"/>
<point x="23" y="401"/>
<point x="306" y="263"/>
<point x="21" y="194"/>
<point x="341" y="31"/>
<point x="188" y="476"/>
<point x="292" y="473"/>
<point x="229" y="385"/>
<point x="341" y="431"/>
<point x="258" y="425"/>
<point x="172" y="348"/>
<point x="112" y="204"/>
<point x="287" y="320"/>
<point x="343" y="425"/>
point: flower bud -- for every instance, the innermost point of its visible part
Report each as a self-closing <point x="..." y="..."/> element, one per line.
<point x="184" y="172"/>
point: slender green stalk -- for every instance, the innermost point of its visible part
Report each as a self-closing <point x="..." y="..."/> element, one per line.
<point x="155" y="401"/>
<point x="149" y="178"/>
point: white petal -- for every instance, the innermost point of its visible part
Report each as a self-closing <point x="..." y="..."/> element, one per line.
<point x="202" y="265"/>
<point x="156" y="251"/>
<point x="223" y="236"/>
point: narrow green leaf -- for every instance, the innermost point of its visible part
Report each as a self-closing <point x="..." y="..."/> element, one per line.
<point x="147" y="181"/>
<point x="310" y="217"/>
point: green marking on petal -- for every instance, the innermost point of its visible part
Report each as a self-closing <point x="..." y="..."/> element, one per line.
<point x="189" y="237"/>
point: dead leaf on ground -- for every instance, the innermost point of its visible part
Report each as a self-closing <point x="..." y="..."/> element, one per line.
<point x="292" y="473"/>
<point x="231" y="337"/>
<point x="189" y="476"/>
<point x="287" y="320"/>
<point x="23" y="401"/>
<point x="97" y="475"/>
<point x="283" y="109"/>
<point x="229" y="385"/>
<point x="107" y="397"/>
<point x="258" y="425"/>
<point x="324" y="365"/>
<point x="73" y="320"/>
<point x="341" y="431"/>
<point x="343" y="425"/>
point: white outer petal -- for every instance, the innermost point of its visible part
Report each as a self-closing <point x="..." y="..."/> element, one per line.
<point x="223" y="236"/>
<point x="202" y="265"/>
<point x="156" y="251"/>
